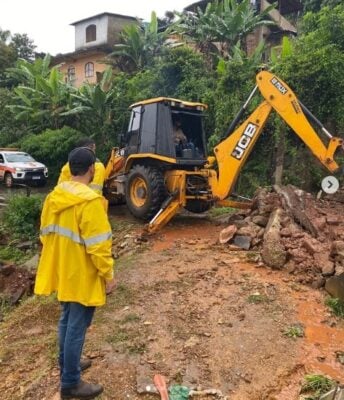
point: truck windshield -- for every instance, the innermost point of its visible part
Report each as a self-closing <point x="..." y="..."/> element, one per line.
<point x="18" y="157"/>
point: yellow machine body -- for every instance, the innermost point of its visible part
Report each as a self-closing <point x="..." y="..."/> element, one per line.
<point x="216" y="176"/>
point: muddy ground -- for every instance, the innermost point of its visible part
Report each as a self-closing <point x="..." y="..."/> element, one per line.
<point x="186" y="307"/>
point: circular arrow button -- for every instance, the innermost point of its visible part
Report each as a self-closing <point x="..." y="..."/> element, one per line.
<point x="330" y="184"/>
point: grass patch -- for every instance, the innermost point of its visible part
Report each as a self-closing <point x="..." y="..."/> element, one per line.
<point x="122" y="296"/>
<point x="5" y="306"/>
<point x="316" y="385"/>
<point x="125" y="262"/>
<point x="137" y="348"/>
<point x="218" y="211"/>
<point x="117" y="337"/>
<point x="9" y="253"/>
<point x="294" y="331"/>
<point x="127" y="340"/>
<point x="257" y="298"/>
<point x="130" y="318"/>
<point x="336" y="306"/>
<point x="252" y="256"/>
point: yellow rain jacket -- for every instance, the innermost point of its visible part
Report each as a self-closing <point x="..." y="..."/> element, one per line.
<point x="98" y="180"/>
<point x="76" y="259"/>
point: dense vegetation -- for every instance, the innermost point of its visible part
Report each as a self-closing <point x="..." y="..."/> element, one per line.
<point x="44" y="115"/>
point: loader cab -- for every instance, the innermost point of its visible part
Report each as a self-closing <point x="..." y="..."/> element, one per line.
<point x="152" y="130"/>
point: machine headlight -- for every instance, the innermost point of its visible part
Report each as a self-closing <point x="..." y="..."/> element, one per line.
<point x="19" y="169"/>
<point x="45" y="170"/>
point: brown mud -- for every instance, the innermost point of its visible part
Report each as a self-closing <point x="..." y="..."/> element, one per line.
<point x="191" y="309"/>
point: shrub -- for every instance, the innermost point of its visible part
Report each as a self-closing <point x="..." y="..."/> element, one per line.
<point x="52" y="147"/>
<point x="22" y="215"/>
<point x="316" y="385"/>
<point x="336" y="306"/>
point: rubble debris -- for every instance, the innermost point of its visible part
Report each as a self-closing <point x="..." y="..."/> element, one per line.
<point x="295" y="231"/>
<point x="294" y="203"/>
<point x="335" y="286"/>
<point x="244" y="242"/>
<point x="227" y="234"/>
<point x="15" y="282"/>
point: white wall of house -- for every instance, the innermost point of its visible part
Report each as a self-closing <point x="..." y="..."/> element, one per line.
<point x="101" y="24"/>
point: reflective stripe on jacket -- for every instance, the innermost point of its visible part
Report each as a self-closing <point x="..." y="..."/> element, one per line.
<point x="98" y="179"/>
<point x="76" y="235"/>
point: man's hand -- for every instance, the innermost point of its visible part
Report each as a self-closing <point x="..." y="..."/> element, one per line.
<point x="110" y="286"/>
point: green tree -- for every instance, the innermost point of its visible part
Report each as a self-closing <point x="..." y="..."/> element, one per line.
<point x="23" y="46"/>
<point x="317" y="5"/>
<point x="51" y="147"/>
<point x="13" y="47"/>
<point x="94" y="107"/>
<point x="10" y="129"/>
<point x="313" y="70"/>
<point x="140" y="45"/>
<point x="42" y="96"/>
<point x="224" y="22"/>
<point x="7" y="54"/>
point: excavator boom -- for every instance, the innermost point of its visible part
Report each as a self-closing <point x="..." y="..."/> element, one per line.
<point x="232" y="152"/>
<point x="156" y="181"/>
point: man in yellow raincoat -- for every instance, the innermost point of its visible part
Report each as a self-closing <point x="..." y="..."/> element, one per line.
<point x="75" y="262"/>
<point x="99" y="174"/>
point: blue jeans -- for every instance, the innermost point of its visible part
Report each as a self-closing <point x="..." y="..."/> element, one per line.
<point x="74" y="321"/>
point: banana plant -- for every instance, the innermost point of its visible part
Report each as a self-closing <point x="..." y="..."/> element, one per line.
<point x="221" y="25"/>
<point x="41" y="97"/>
<point x="93" y="104"/>
<point x="141" y="43"/>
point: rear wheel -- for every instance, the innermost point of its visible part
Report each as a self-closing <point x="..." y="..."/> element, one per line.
<point x="8" y="179"/>
<point x="145" y="191"/>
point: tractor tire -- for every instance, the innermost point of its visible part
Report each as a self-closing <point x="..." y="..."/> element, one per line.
<point x="145" y="191"/>
<point x="197" y="206"/>
<point x="8" y="180"/>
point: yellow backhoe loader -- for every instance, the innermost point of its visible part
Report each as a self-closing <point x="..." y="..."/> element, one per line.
<point x="157" y="175"/>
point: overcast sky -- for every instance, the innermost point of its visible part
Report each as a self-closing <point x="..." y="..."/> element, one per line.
<point x="48" y="22"/>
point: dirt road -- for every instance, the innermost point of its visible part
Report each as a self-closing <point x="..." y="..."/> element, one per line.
<point x="190" y="309"/>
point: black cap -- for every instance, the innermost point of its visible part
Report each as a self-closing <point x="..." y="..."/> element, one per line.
<point x="81" y="157"/>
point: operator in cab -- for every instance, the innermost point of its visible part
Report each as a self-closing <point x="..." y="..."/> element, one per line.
<point x="180" y="140"/>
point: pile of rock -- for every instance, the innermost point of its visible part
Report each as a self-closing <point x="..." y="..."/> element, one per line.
<point x="293" y="231"/>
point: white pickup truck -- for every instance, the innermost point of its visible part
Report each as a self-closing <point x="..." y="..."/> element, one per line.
<point x="19" y="167"/>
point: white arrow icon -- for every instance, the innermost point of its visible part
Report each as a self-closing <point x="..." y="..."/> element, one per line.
<point x="330" y="184"/>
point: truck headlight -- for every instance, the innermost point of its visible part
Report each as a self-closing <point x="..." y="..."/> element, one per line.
<point x="45" y="170"/>
<point x="18" y="169"/>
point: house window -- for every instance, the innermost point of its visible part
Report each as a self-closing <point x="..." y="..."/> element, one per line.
<point x="91" y="33"/>
<point x="71" y="73"/>
<point x="89" y="69"/>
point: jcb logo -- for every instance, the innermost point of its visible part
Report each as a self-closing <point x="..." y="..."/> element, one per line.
<point x="244" y="141"/>
<point x="278" y="85"/>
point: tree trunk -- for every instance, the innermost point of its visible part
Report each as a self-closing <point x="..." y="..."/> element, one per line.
<point x="294" y="204"/>
<point x="280" y="151"/>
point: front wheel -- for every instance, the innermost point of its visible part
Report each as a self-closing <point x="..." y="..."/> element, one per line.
<point x="8" y="179"/>
<point x="145" y="191"/>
